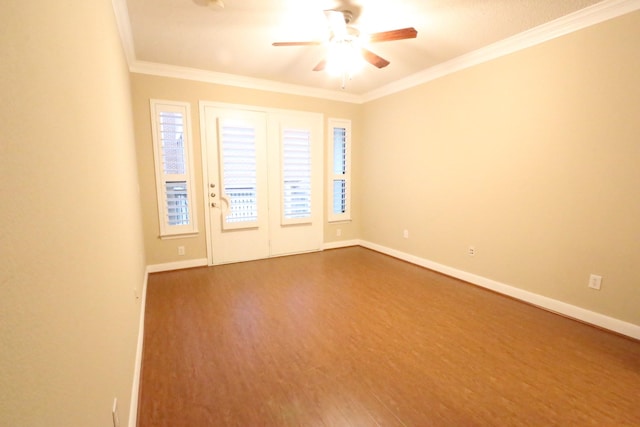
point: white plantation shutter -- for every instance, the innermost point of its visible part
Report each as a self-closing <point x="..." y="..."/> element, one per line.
<point x="172" y="139"/>
<point x="172" y="150"/>
<point x="339" y="150"/>
<point x="296" y="176"/>
<point x="238" y="170"/>
<point x="339" y="196"/>
<point x="340" y="170"/>
<point x="177" y="199"/>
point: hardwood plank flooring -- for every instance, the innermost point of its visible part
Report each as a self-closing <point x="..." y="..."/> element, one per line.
<point x="350" y="337"/>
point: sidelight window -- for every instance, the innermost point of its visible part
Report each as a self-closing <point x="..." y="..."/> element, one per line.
<point x="340" y="170"/>
<point x="173" y="165"/>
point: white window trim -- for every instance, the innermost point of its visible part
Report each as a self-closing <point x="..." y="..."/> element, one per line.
<point x="346" y="216"/>
<point x="166" y="230"/>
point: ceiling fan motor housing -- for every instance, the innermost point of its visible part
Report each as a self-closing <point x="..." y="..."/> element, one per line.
<point x="348" y="16"/>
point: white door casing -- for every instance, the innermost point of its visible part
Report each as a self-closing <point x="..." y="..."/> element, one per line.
<point x="263" y="176"/>
<point x="237" y="194"/>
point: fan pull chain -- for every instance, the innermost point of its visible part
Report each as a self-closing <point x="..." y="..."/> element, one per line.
<point x="345" y="75"/>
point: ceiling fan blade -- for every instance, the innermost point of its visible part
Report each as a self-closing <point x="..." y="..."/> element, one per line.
<point x="374" y="59"/>
<point x="401" y="34"/>
<point x="321" y="65"/>
<point x="296" y="43"/>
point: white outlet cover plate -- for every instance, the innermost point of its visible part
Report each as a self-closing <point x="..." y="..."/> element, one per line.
<point x="595" y="281"/>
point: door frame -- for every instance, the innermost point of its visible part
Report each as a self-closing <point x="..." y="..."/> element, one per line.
<point x="205" y="158"/>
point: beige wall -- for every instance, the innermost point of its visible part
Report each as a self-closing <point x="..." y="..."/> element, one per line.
<point x="71" y="246"/>
<point x="145" y="87"/>
<point x="533" y="158"/>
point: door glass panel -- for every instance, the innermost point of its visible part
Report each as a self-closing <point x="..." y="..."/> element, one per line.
<point x="296" y="176"/>
<point x="239" y="178"/>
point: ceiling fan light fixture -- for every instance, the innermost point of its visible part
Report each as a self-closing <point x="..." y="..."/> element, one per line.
<point x="346" y="53"/>
<point x="344" y="58"/>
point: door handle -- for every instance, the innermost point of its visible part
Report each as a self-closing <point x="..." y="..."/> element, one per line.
<point x="226" y="202"/>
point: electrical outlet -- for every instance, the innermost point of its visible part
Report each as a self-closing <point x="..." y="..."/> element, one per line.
<point x="338" y="232"/>
<point x="180" y="250"/>
<point x="595" y="282"/>
<point x="405" y="234"/>
<point x="471" y="251"/>
<point x="114" y="413"/>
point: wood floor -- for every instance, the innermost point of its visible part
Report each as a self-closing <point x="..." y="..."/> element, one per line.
<point x="350" y="337"/>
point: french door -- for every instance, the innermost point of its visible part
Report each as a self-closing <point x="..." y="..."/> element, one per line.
<point x="263" y="173"/>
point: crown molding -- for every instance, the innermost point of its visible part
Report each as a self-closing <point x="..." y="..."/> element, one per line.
<point x="123" y="22"/>
<point x="592" y="15"/>
<point x="578" y="20"/>
<point x="164" y="70"/>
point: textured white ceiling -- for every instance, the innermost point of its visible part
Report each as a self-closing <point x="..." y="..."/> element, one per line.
<point x="237" y="39"/>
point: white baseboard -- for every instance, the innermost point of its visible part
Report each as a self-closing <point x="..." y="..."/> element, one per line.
<point x="135" y="387"/>
<point x="178" y="265"/>
<point x="578" y="313"/>
<point x="340" y="244"/>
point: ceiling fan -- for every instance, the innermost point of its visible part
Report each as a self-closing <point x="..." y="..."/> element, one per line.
<point x="344" y="35"/>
